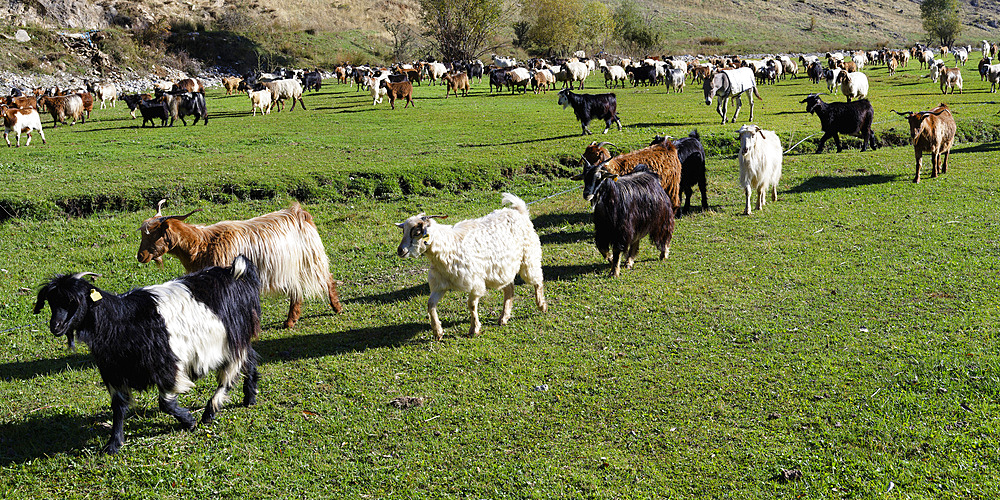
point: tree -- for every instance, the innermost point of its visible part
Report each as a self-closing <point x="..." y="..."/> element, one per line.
<point x="941" y="19"/>
<point x="597" y="25"/>
<point x="635" y="32"/>
<point x="464" y="29"/>
<point x="554" y="25"/>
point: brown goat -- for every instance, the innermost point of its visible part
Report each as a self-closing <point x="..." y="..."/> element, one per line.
<point x="88" y="102"/>
<point x="661" y="158"/>
<point x="931" y="132"/>
<point x="23" y="102"/>
<point x="848" y="66"/>
<point x="399" y="90"/>
<point x="284" y="245"/>
<point x="231" y="84"/>
<point x="63" y="107"/>
<point x="189" y="85"/>
<point x="455" y="82"/>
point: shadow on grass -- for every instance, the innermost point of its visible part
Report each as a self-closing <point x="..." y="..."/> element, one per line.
<point x="823" y="182"/>
<point x="527" y="141"/>
<point x="561" y="219"/>
<point x="25" y="370"/>
<point x="334" y="343"/>
<point x="567" y="273"/>
<point x="40" y="436"/>
<point x="394" y="296"/>
<point x="663" y="124"/>
<point x="980" y="148"/>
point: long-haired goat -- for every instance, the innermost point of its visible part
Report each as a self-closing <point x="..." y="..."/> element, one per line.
<point x="284" y="245"/>
<point x="626" y="209"/>
<point x="475" y="255"/>
<point x="931" y="132"/>
<point x="660" y="158"/>
<point x="691" y="154"/>
<point x="165" y="335"/>
<point x="760" y="164"/>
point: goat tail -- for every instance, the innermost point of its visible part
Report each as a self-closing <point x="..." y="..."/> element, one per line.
<point x="757" y="94"/>
<point x="515" y="203"/>
<point x="243" y="268"/>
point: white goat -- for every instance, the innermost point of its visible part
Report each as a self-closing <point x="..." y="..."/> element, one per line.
<point x="676" y="79"/>
<point x="760" y="163"/>
<point x="435" y="71"/>
<point x="574" y="72"/>
<point x="475" y="255"/>
<point x="21" y="120"/>
<point x="853" y="85"/>
<point x="260" y="99"/>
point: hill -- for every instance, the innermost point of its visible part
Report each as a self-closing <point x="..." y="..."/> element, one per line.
<point x="173" y="33"/>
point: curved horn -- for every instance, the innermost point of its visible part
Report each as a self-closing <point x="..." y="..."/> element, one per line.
<point x="905" y="113"/>
<point x="80" y="276"/>
<point x="159" y="208"/>
<point x="603" y="143"/>
<point x="181" y="217"/>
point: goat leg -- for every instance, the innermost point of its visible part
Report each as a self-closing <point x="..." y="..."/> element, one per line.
<point x="334" y="298"/>
<point x="119" y="407"/>
<point x="476" y="326"/>
<point x="168" y="405"/>
<point x="508" y="303"/>
<point x="250" y="378"/>
<point x="432" y="303"/>
<point x="294" y="312"/>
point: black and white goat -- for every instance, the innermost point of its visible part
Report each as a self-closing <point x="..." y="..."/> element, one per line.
<point x="165" y="335"/>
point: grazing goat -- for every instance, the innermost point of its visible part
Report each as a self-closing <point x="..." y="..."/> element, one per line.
<point x="475" y="255"/>
<point x="456" y="82"/>
<point x="133" y="100"/>
<point x="21" y="120"/>
<point x="63" y="107"/>
<point x="518" y="77"/>
<point x="626" y="209"/>
<point x="399" y="90"/>
<point x="284" y="245"/>
<point x="165" y="336"/>
<point x="588" y="107"/>
<point x="993" y="76"/>
<point x="853" y="118"/>
<point x="950" y="79"/>
<point x="853" y="85"/>
<point x="691" y="155"/>
<point x="931" y="132"/>
<point x="675" y="79"/>
<point x="311" y="80"/>
<point x="281" y="90"/>
<point x="574" y="71"/>
<point x="760" y="164"/>
<point x="660" y="158"/>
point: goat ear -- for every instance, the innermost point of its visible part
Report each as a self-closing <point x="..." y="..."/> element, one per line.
<point x="577" y="177"/>
<point x="761" y="132"/>
<point x="182" y="217"/>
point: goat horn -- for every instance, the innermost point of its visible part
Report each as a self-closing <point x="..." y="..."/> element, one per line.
<point x="159" y="208"/>
<point x="80" y="276"/>
<point x="604" y="143"/>
<point x="906" y="113"/>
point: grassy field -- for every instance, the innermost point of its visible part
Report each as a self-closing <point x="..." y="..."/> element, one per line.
<point x="846" y="331"/>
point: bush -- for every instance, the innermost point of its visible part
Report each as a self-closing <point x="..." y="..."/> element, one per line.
<point x="711" y="40"/>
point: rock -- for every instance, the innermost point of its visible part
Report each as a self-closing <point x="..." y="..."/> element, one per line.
<point x="22" y="36"/>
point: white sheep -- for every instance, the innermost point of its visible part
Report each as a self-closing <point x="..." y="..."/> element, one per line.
<point x="475" y="255"/>
<point x="574" y="72"/>
<point x="435" y="71"/>
<point x="760" y="163"/>
<point x="853" y="85"/>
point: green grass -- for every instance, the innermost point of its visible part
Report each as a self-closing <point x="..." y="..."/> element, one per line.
<point x="847" y="330"/>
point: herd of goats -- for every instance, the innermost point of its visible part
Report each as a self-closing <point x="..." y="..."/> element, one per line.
<point x="168" y="335"/>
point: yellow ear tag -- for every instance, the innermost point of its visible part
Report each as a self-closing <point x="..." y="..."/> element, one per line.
<point x="95" y="295"/>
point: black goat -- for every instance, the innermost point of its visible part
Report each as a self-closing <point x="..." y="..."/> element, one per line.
<point x="312" y="80"/>
<point x="165" y="335"/>
<point x="626" y="209"/>
<point x="498" y="78"/>
<point x="152" y="109"/>
<point x="692" y="157"/>
<point x="592" y="106"/>
<point x="645" y="74"/>
<point x="815" y="72"/>
<point x="852" y="118"/>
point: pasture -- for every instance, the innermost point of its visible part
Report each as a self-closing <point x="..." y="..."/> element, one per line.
<point x="843" y="337"/>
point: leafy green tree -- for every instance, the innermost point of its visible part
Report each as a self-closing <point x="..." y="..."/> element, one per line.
<point x="597" y="25"/>
<point x="464" y="29"/>
<point x="942" y="20"/>
<point x="554" y="25"/>
<point x="634" y="31"/>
